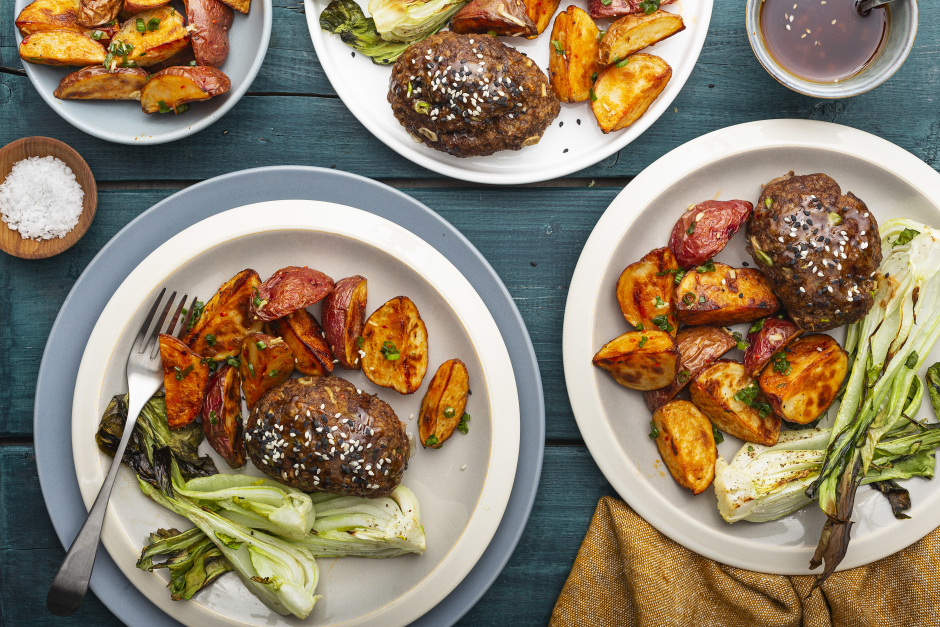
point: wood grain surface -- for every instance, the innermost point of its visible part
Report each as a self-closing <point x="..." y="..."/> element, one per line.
<point x="11" y="241"/>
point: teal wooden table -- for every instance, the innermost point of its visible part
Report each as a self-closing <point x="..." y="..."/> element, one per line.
<point x="532" y="236"/>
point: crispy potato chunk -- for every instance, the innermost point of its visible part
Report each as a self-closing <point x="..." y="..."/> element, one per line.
<point x="645" y="289"/>
<point x="640" y="360"/>
<point x="185" y="378"/>
<point x="222" y="416"/>
<point x="98" y="12"/>
<point x="723" y="296"/>
<point x="138" y="6"/>
<point x="226" y="319"/>
<point x="290" y="289"/>
<point x="805" y="378"/>
<point x="266" y="362"/>
<point x="623" y="94"/>
<point x="573" y="55"/>
<point x="636" y="31"/>
<point x="97" y="83"/>
<point x="443" y="405"/>
<point x="732" y="401"/>
<point x="698" y="347"/>
<point x="48" y="15"/>
<point x="210" y="21"/>
<point x="541" y="12"/>
<point x="303" y="335"/>
<point x="173" y="86"/>
<point x="705" y="229"/>
<point x="344" y="315"/>
<point x="508" y="18"/>
<point x="770" y="336"/>
<point x="242" y="6"/>
<point x="686" y="443"/>
<point x="61" y="47"/>
<point x="184" y="57"/>
<point x="152" y="46"/>
<point x="395" y="343"/>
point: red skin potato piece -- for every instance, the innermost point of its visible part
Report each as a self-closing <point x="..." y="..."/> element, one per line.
<point x="288" y="290"/>
<point x="771" y="338"/>
<point x="616" y="8"/>
<point x="344" y="316"/>
<point x="716" y="222"/>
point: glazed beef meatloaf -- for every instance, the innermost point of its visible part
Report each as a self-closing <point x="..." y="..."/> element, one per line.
<point x="470" y="95"/>
<point x="322" y="434"/>
<point x="819" y="248"/>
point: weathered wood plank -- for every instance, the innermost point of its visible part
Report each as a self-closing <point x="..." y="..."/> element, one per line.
<point x="727" y="87"/>
<point x="524" y="594"/>
<point x="547" y="227"/>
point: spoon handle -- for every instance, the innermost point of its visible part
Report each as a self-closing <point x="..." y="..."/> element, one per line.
<point x="865" y="6"/>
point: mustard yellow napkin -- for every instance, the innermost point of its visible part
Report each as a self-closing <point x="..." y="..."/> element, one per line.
<point x="628" y="574"/>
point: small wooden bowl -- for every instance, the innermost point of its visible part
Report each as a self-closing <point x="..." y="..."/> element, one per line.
<point x="11" y="241"/>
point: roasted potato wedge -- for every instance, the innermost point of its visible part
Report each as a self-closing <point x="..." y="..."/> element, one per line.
<point x="303" y="335"/>
<point x="61" y="47"/>
<point x="97" y="12"/>
<point x="506" y="18"/>
<point x="209" y="22"/>
<point x="98" y="83"/>
<point x="226" y="319"/>
<point x="615" y="8"/>
<point x="573" y="56"/>
<point x="636" y="31"/>
<point x="185" y="378"/>
<point x="732" y="401"/>
<point x="640" y="360"/>
<point x="103" y="34"/>
<point x="698" y="347"/>
<point x="174" y="86"/>
<point x="184" y="57"/>
<point x="624" y="91"/>
<point x="395" y="343"/>
<point x="723" y="296"/>
<point x="444" y="403"/>
<point x="138" y="6"/>
<point x="222" y="416"/>
<point x="290" y="289"/>
<point x="704" y="230"/>
<point x="645" y="290"/>
<point x="344" y="315"/>
<point x="766" y="337"/>
<point x="805" y="377"/>
<point x="541" y="12"/>
<point x="242" y="6"/>
<point x="48" y="15"/>
<point x="686" y="443"/>
<point x="150" y="47"/>
<point x="266" y="362"/>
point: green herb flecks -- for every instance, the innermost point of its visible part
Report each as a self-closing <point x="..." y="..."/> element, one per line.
<point x="464" y="425"/>
<point x="654" y="432"/>
<point x="663" y="323"/>
<point x="390" y="351"/>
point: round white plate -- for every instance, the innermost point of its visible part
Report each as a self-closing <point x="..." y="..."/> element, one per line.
<point x="614" y="421"/>
<point x="463" y="488"/>
<point x="123" y="122"/>
<point x="571" y="143"/>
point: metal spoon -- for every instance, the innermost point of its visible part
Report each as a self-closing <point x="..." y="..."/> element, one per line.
<point x="864" y="7"/>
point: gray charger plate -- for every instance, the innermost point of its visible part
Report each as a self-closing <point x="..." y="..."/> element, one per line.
<point x="89" y="295"/>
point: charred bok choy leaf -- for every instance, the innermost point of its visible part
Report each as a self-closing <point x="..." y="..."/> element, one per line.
<point x="411" y="20"/>
<point x="346" y="19"/>
<point x="194" y="561"/>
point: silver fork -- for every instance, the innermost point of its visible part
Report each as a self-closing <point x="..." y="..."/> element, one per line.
<point x="144" y="378"/>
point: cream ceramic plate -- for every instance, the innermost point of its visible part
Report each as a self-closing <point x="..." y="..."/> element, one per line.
<point x="728" y="164"/>
<point x="571" y="143"/>
<point x="463" y="488"/>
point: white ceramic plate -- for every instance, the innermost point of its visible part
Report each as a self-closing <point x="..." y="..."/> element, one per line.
<point x="571" y="143"/>
<point x="460" y="507"/>
<point x="614" y="421"/>
<point x="123" y="122"/>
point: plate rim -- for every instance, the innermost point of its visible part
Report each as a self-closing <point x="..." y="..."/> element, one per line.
<point x="231" y="100"/>
<point x="535" y="175"/>
<point x="577" y="336"/>
<point x="167" y="217"/>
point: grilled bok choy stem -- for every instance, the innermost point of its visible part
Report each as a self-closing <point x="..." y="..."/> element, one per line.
<point x="890" y="346"/>
<point x="411" y="20"/>
<point x="767" y="482"/>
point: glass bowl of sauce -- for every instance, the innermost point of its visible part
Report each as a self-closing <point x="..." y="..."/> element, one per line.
<point x="824" y="48"/>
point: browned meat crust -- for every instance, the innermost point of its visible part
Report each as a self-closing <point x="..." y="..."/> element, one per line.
<point x="819" y="248"/>
<point x="471" y="95"/>
<point x="322" y="434"/>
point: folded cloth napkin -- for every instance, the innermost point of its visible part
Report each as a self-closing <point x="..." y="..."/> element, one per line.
<point x="628" y="574"/>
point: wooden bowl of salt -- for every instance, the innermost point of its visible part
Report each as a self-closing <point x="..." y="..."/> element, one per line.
<point x="11" y="241"/>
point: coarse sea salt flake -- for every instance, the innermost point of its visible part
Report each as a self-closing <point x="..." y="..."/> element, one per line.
<point x="40" y="198"/>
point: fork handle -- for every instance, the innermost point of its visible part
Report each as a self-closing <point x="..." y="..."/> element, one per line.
<point x="71" y="582"/>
